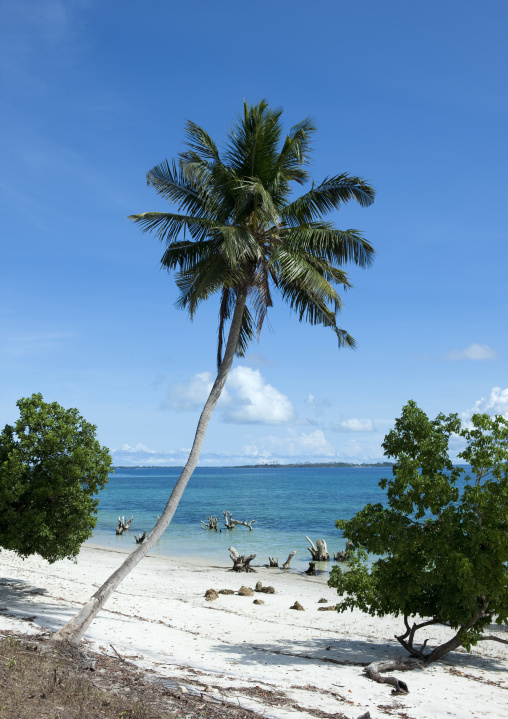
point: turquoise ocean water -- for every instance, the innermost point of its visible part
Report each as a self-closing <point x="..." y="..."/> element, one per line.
<point x="287" y="502"/>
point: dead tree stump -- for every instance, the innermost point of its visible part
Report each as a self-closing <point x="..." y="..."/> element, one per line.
<point x="141" y="538"/>
<point x="231" y="523"/>
<point x="273" y="561"/>
<point x="312" y="569"/>
<point x="241" y="563"/>
<point x="319" y="553"/>
<point x="212" y="524"/>
<point x="288" y="560"/>
<point x="343" y="556"/>
<point x="123" y="525"/>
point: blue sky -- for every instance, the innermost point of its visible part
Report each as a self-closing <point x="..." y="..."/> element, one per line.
<point x="411" y="96"/>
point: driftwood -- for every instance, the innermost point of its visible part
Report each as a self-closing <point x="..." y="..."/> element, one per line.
<point x="343" y="556"/>
<point x="273" y="562"/>
<point x="288" y="560"/>
<point x="141" y="538"/>
<point x="319" y="553"/>
<point x="241" y="563"/>
<point x="212" y="524"/>
<point x="123" y="525"/>
<point x="231" y="523"/>
<point x="373" y="671"/>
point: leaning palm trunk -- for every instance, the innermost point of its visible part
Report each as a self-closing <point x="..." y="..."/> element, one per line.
<point x="73" y="631"/>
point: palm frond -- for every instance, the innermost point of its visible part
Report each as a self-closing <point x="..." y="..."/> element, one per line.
<point x="324" y="240"/>
<point x="328" y="196"/>
<point x="234" y="226"/>
<point x="168" y="225"/>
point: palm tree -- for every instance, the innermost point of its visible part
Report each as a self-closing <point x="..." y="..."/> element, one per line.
<point x="244" y="237"/>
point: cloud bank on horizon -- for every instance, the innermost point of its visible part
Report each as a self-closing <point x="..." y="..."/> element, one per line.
<point x="249" y="399"/>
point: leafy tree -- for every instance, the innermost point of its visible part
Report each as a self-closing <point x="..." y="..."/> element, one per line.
<point x="51" y="466"/>
<point x="443" y="536"/>
<point x="239" y="234"/>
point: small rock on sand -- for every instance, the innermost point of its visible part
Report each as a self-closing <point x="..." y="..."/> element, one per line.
<point x="331" y="608"/>
<point x="226" y="591"/>
<point x="211" y="594"/>
<point x="265" y="590"/>
<point x="245" y="592"/>
<point x="322" y="601"/>
<point x="258" y="601"/>
<point x="298" y="607"/>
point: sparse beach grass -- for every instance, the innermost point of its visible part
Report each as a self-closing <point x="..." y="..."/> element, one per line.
<point x="38" y="684"/>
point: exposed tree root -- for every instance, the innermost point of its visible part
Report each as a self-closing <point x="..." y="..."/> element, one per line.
<point x="373" y="671"/>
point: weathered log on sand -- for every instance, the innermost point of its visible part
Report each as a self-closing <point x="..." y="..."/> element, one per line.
<point x="123" y="525"/>
<point x="141" y="538"/>
<point x="373" y="671"/>
<point x="231" y="523"/>
<point x="343" y="556"/>
<point x="319" y="553"/>
<point x="288" y="560"/>
<point x="241" y="563"/>
<point x="212" y="524"/>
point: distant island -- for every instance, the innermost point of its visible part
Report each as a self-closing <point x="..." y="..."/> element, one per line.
<point x="315" y="464"/>
<point x="257" y="466"/>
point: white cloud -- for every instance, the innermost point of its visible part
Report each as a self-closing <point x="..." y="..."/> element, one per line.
<point x="253" y="401"/>
<point x="246" y="399"/>
<point x="138" y="448"/>
<point x="354" y="425"/>
<point x="495" y="403"/>
<point x="291" y="447"/>
<point x="193" y="395"/>
<point x="474" y="352"/>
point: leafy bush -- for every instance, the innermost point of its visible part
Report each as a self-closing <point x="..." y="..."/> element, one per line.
<point x="443" y="548"/>
<point x="51" y="466"/>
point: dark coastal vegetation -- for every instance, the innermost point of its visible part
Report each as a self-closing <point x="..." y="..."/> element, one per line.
<point x="51" y="468"/>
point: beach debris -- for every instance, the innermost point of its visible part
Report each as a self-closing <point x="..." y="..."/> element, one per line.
<point x="245" y="591"/>
<point x="273" y="562"/>
<point x="241" y="563"/>
<point x="312" y="569"/>
<point x="231" y="523"/>
<point x="258" y="601"/>
<point x="123" y="525"/>
<point x="226" y="591"/>
<point x="343" y="556"/>
<point x="329" y="608"/>
<point x="117" y="654"/>
<point x="373" y="671"/>
<point x="322" y="601"/>
<point x="212" y="524"/>
<point x="141" y="538"/>
<point x="288" y="560"/>
<point x="319" y="552"/>
<point x="297" y="606"/>
<point x="211" y="594"/>
<point x="266" y="590"/>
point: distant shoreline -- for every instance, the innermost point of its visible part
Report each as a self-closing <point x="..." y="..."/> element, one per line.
<point x="257" y="466"/>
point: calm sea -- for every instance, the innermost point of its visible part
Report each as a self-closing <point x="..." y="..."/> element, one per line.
<point x="287" y="502"/>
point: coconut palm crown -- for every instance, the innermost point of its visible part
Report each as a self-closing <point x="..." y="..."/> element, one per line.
<point x="239" y="228"/>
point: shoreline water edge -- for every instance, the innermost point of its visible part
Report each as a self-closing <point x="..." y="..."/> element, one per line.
<point x="252" y="649"/>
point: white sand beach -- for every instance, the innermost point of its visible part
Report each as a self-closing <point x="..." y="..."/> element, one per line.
<point x="269" y="658"/>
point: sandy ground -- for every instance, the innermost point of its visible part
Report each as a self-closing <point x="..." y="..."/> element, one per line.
<point x="279" y="662"/>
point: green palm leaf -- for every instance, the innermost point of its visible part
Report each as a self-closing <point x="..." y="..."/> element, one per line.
<point x="235" y="227"/>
